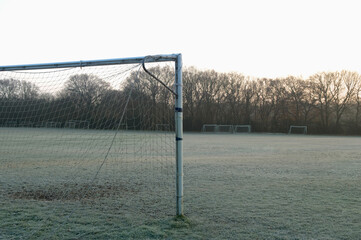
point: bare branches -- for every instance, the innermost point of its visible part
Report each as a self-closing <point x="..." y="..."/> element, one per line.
<point x="327" y="102"/>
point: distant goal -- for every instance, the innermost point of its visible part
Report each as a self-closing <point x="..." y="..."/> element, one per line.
<point x="225" y="128"/>
<point x="210" y="128"/>
<point x="242" y="128"/>
<point x="215" y="128"/>
<point x="297" y="129"/>
<point x="82" y="124"/>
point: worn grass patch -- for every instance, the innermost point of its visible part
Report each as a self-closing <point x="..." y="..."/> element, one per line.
<point x="70" y="192"/>
<point x="181" y="221"/>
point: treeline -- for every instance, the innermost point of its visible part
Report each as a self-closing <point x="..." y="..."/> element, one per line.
<point x="326" y="102"/>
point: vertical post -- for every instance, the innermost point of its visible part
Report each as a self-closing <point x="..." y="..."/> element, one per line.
<point x="179" y="134"/>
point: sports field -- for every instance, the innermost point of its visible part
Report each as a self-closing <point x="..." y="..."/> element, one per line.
<point x="236" y="186"/>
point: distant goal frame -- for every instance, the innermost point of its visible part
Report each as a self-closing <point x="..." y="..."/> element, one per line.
<point x="205" y="126"/>
<point x="245" y="126"/>
<point x="222" y="128"/>
<point x="302" y="129"/>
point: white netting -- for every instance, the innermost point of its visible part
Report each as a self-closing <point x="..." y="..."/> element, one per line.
<point x="85" y="145"/>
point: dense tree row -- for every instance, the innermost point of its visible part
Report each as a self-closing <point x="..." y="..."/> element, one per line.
<point x="327" y="102"/>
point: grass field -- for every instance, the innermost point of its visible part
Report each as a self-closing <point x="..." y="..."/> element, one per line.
<point x="244" y="186"/>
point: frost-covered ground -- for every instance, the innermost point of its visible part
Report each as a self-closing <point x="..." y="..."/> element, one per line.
<point x="245" y="186"/>
<point x="274" y="186"/>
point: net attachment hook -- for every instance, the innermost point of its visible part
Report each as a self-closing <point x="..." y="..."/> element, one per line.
<point x="157" y="79"/>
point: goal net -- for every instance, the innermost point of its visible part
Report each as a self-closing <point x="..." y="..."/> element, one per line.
<point x="242" y="128"/>
<point x="96" y="139"/>
<point x="297" y="129"/>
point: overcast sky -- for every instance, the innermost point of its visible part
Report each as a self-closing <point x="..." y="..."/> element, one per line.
<point x="260" y="38"/>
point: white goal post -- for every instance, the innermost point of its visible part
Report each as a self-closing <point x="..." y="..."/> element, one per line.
<point x="242" y="128"/>
<point x="106" y="113"/>
<point x="297" y="129"/>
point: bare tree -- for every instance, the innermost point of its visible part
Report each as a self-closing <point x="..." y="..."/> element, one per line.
<point x="308" y="102"/>
<point x="9" y="88"/>
<point x="248" y="92"/>
<point x="224" y="112"/>
<point x="301" y="99"/>
<point x="208" y="90"/>
<point x="15" y="89"/>
<point x="264" y="103"/>
<point x="85" y="89"/>
<point x="357" y="98"/>
<point x="233" y="86"/>
<point x="295" y="90"/>
<point x="344" y="87"/>
<point x="191" y="99"/>
<point x="279" y="102"/>
<point x="322" y="89"/>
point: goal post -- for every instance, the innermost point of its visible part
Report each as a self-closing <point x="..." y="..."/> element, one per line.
<point x="179" y="133"/>
<point x="297" y="129"/>
<point x="126" y="111"/>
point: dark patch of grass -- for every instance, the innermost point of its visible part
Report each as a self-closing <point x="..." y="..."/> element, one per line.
<point x="181" y="221"/>
<point x="71" y="192"/>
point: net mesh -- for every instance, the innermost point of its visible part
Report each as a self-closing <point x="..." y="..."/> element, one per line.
<point x="92" y="141"/>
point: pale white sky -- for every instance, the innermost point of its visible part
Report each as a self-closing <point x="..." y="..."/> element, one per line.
<point x="260" y="38"/>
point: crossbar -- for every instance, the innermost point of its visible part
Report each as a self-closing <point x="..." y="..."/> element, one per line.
<point x="91" y="63"/>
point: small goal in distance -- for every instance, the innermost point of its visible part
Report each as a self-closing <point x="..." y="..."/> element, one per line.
<point x="242" y="128"/>
<point x="295" y="129"/>
<point x="225" y="128"/>
<point x="210" y="128"/>
<point x="215" y="128"/>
